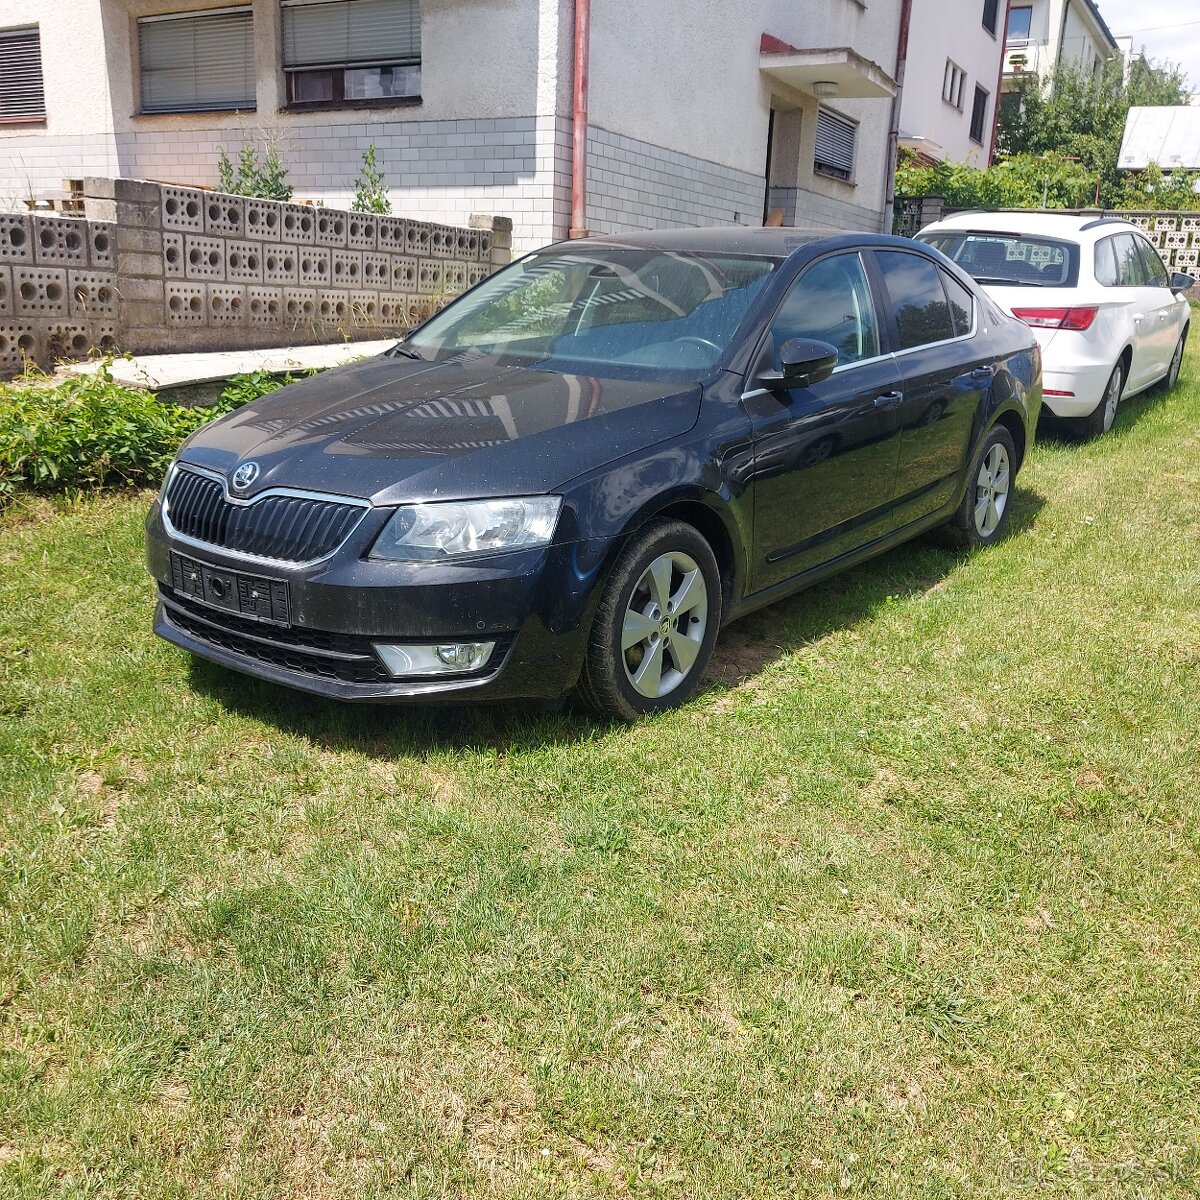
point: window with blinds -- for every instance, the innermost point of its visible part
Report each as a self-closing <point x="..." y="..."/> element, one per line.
<point x="197" y="62"/>
<point x="347" y="51"/>
<point x="22" y="95"/>
<point x="836" y="137"/>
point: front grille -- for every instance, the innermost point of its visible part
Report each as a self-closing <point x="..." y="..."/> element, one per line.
<point x="340" y="656"/>
<point x="293" y="529"/>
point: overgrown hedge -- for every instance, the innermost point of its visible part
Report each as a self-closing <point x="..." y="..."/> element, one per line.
<point x="90" y="432"/>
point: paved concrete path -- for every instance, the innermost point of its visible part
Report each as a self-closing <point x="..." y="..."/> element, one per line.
<point x="157" y="372"/>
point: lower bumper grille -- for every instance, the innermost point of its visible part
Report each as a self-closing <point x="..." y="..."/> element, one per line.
<point x="339" y="656"/>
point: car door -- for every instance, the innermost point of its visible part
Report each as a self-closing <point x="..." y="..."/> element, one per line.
<point x="1167" y="309"/>
<point x="946" y="370"/>
<point x="824" y="456"/>
<point x="1142" y="305"/>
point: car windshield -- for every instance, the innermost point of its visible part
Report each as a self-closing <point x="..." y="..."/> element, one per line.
<point x="622" y="312"/>
<point x="1010" y="259"/>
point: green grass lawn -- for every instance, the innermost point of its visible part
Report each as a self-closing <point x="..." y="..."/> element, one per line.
<point x="904" y="905"/>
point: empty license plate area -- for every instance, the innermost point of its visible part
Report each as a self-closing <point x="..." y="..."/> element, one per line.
<point x="251" y="596"/>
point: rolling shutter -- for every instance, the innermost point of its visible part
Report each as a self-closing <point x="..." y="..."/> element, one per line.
<point x="192" y="64"/>
<point x="22" y="96"/>
<point x="351" y="33"/>
<point x="835" y="144"/>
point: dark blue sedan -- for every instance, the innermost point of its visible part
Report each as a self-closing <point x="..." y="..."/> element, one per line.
<point x="574" y="475"/>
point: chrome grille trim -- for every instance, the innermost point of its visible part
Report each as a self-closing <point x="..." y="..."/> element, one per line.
<point x="296" y="528"/>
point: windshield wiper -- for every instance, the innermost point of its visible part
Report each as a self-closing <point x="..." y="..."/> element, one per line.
<point x="1006" y="282"/>
<point x="405" y="352"/>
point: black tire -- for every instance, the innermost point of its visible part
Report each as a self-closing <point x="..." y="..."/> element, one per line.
<point x="1100" y="420"/>
<point x="607" y="684"/>
<point x="965" y="530"/>
<point x="1171" y="378"/>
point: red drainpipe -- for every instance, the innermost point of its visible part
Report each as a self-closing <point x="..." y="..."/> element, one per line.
<point x="999" y="84"/>
<point x="894" y="132"/>
<point x="579" y="124"/>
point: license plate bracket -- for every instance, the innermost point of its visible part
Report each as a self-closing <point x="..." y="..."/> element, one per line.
<point x="254" y="597"/>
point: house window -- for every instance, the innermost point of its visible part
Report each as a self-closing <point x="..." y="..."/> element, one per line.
<point x="1020" y="22"/>
<point x="351" y="51"/>
<point x="990" y="11"/>
<point x="979" y="114"/>
<point x="22" y="96"/>
<point x="197" y="62"/>
<point x="953" y="83"/>
<point x="836" y="136"/>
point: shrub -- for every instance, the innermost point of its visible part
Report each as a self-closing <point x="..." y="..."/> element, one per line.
<point x="370" y="188"/>
<point x="91" y="432"/>
<point x="264" y="181"/>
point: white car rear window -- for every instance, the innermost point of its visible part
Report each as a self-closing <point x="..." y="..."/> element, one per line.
<point x="1010" y="259"/>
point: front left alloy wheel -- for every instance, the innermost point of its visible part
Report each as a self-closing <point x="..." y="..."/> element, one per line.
<point x="982" y="517"/>
<point x="655" y="626"/>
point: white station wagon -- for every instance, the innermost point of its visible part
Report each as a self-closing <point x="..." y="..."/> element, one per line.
<point x="1109" y="317"/>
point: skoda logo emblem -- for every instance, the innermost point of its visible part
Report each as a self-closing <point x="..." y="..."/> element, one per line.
<point x="245" y="475"/>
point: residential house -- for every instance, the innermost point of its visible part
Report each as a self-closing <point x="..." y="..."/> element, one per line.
<point x="698" y="111"/>
<point x="952" y="79"/>
<point x="1045" y="33"/>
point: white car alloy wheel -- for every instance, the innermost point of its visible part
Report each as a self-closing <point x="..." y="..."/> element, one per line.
<point x="1176" y="363"/>
<point x="1112" y="397"/>
<point x="664" y="624"/>
<point x="992" y="486"/>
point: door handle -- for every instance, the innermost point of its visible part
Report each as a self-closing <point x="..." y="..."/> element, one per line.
<point x="987" y="372"/>
<point x="888" y="399"/>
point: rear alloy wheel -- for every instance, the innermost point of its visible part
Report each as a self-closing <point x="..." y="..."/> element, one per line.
<point x="1172" y="376"/>
<point x="1101" y="419"/>
<point x="982" y="517"/>
<point x="655" y="626"/>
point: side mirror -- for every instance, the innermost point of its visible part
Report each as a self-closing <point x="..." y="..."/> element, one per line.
<point x="1181" y="282"/>
<point x="805" y="361"/>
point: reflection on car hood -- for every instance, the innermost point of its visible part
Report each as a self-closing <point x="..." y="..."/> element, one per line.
<point x="392" y="429"/>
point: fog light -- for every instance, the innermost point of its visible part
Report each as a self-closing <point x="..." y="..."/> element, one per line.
<point x="444" y="658"/>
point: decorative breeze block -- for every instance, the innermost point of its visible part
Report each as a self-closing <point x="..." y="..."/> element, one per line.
<point x="59" y="240"/>
<point x="279" y="264"/>
<point x="16" y="238"/>
<point x="265" y="305"/>
<point x="297" y="223"/>
<point x="429" y="278"/>
<point x="183" y="208"/>
<point x="244" y="260"/>
<point x="377" y="270"/>
<point x="39" y="291"/>
<point x="347" y="268"/>
<point x="204" y="258"/>
<point x="314" y="267"/>
<point x="405" y="272"/>
<point x="365" y="308"/>
<point x="224" y="216"/>
<point x="363" y="232"/>
<point x="185" y="304"/>
<point x="331" y="227"/>
<point x="92" y="294"/>
<point x="263" y="219"/>
<point x="102" y="236"/>
<point x="173" y="255"/>
<point x="226" y="303"/>
<point x="300" y="304"/>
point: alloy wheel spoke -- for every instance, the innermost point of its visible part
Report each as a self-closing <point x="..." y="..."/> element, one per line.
<point x="659" y="581"/>
<point x="1000" y="481"/>
<point x="637" y="627"/>
<point x="981" y="510"/>
<point x="993" y="515"/>
<point x="684" y="651"/>
<point x="691" y="593"/>
<point x="648" y="677"/>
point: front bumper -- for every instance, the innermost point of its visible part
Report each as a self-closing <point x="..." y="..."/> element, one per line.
<point x="536" y="605"/>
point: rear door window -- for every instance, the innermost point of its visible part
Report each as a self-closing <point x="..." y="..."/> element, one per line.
<point x="1131" y="269"/>
<point x="919" y="301"/>
<point x="962" y="304"/>
<point x="1010" y="259"/>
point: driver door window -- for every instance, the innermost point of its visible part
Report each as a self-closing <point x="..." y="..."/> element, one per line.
<point x="831" y="302"/>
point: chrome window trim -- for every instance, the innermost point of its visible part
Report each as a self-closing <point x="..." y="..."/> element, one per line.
<point x="240" y="502"/>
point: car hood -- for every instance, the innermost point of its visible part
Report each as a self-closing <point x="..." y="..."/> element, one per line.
<point x="393" y="430"/>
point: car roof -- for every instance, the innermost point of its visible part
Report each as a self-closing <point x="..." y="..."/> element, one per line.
<point x="1045" y="224"/>
<point x="775" y="242"/>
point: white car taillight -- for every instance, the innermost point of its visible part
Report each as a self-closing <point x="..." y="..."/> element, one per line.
<point x="1077" y="319"/>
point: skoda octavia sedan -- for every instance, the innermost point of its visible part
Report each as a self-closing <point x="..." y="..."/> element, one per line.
<point x="574" y="475"/>
<point x="1110" y="319"/>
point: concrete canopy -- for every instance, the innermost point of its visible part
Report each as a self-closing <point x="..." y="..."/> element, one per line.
<point x="852" y="76"/>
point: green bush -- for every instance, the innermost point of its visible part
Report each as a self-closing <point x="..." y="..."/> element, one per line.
<point x="91" y="432"/>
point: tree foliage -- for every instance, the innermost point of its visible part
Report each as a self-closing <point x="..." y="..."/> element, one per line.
<point x="1081" y="116"/>
<point x="1023" y="181"/>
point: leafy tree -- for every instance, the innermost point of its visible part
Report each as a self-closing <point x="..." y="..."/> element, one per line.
<point x="265" y="181"/>
<point x="1023" y="181"/>
<point x="1154" y="190"/>
<point x="370" y="188"/>
<point x="1081" y="116"/>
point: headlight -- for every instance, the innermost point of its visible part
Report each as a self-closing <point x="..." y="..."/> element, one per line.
<point x="445" y="529"/>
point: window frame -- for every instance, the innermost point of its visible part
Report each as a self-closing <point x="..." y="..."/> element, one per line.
<point x="338" y="73"/>
<point x="1106" y="245"/>
<point x="38" y="115"/>
<point x="1122" y="282"/>
<point x="142" y="22"/>
<point x="991" y="7"/>
<point x="981" y="111"/>
<point x="954" y="84"/>
<point x="832" y="170"/>
<point x="1028" y="34"/>
<point x="1147" y="252"/>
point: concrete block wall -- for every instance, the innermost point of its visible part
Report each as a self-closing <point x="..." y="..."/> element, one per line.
<point x="154" y="269"/>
